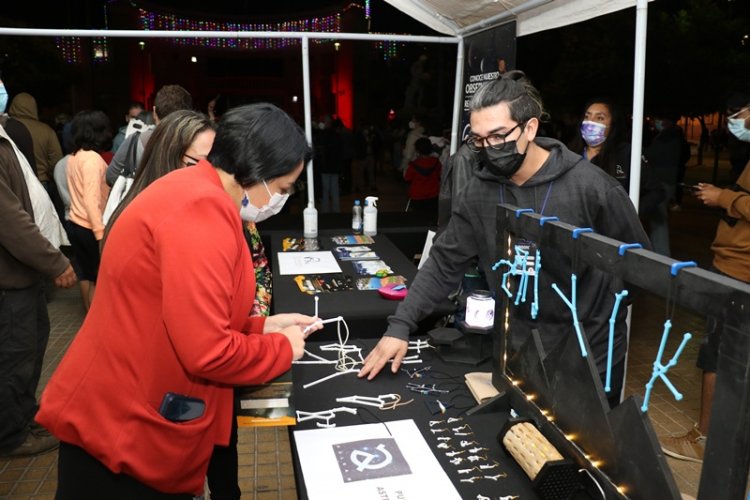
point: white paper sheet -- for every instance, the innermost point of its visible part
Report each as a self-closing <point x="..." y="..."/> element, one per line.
<point x="307" y="263"/>
<point x="365" y="462"/>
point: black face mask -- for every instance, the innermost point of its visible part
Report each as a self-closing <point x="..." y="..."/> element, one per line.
<point x="502" y="162"/>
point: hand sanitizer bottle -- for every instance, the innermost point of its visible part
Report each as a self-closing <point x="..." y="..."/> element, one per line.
<point x="371" y="216"/>
<point x="310" y="217"/>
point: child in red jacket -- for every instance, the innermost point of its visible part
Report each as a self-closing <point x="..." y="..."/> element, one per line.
<point x="423" y="176"/>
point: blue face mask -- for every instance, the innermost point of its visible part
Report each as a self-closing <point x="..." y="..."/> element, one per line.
<point x="737" y="127"/>
<point x="3" y="98"/>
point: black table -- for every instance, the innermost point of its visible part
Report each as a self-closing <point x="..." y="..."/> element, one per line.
<point x="485" y="427"/>
<point x="365" y="311"/>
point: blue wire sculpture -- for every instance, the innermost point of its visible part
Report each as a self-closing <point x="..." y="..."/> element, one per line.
<point x="572" y="306"/>
<point x="660" y="370"/>
<point x="610" y="345"/>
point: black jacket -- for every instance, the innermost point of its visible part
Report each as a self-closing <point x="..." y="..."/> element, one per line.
<point x="577" y="192"/>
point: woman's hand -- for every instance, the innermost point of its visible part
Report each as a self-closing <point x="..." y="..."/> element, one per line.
<point x="708" y="194"/>
<point x="280" y="322"/>
<point x="296" y="338"/>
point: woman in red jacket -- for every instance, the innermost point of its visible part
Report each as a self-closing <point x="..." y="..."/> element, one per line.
<point x="169" y="329"/>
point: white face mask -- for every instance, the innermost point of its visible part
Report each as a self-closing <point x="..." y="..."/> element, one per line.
<point x="251" y="213"/>
<point x="737" y="127"/>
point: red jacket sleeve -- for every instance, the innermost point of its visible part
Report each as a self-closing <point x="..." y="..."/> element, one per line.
<point x="201" y="264"/>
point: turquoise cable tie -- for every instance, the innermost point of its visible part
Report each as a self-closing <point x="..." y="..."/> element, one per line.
<point x="627" y="246"/>
<point x="678" y="266"/>
<point x="547" y="219"/>
<point x="523" y="210"/>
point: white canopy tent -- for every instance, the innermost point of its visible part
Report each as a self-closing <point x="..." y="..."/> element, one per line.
<point x="450" y="17"/>
<point x="462" y="19"/>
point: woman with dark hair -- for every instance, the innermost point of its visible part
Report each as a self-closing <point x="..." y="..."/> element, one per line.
<point x="603" y="142"/>
<point x="145" y="390"/>
<point x="182" y="139"/>
<point x="88" y="194"/>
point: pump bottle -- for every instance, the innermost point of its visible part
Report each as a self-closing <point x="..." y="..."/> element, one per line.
<point x="357" y="218"/>
<point x="371" y="216"/>
<point x="310" y="218"/>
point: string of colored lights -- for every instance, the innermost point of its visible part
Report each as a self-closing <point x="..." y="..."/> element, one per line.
<point x="72" y="51"/>
<point x="169" y="22"/>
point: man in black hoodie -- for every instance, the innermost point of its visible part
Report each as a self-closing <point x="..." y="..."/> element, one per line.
<point x="521" y="169"/>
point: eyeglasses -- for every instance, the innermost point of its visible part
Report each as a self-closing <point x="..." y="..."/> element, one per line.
<point x="495" y="141"/>
<point x="191" y="161"/>
<point x="741" y="113"/>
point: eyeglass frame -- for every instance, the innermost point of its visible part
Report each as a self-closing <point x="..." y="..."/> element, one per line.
<point x="740" y="111"/>
<point x="192" y="159"/>
<point x="471" y="139"/>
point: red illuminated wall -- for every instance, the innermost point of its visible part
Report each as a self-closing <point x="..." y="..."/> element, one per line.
<point x="342" y="84"/>
<point x="141" y="77"/>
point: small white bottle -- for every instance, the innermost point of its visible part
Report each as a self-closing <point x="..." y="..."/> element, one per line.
<point x="310" y="217"/>
<point x="357" y="218"/>
<point x="371" y="216"/>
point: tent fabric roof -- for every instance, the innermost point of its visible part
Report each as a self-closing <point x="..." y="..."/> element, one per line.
<point x="454" y="17"/>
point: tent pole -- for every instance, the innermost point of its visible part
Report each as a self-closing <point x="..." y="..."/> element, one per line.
<point x="457" y="96"/>
<point x="308" y="116"/>
<point x="639" y="82"/>
<point x="636" y="144"/>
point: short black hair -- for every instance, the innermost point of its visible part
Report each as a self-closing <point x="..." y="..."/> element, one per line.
<point x="258" y="142"/>
<point x="424" y="146"/>
<point x="91" y="131"/>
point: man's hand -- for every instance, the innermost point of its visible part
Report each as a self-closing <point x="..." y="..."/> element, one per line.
<point x="67" y="278"/>
<point x="708" y="194"/>
<point x="280" y="322"/>
<point x="387" y="348"/>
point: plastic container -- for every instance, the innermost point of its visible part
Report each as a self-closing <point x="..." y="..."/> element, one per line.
<point x="371" y="216"/>
<point x="310" y="218"/>
<point x="357" y="218"/>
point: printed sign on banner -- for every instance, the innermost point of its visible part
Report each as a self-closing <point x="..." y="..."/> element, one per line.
<point x="488" y="55"/>
<point x="367" y="462"/>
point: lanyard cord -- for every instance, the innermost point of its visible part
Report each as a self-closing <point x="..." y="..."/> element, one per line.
<point x="544" y="203"/>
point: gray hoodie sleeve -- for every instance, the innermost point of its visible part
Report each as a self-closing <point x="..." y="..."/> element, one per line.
<point x="117" y="165"/>
<point x="449" y="258"/>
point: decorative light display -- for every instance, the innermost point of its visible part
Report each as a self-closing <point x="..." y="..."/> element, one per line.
<point x="388" y="48"/>
<point x="99" y="49"/>
<point x="70" y="47"/>
<point x="168" y="22"/>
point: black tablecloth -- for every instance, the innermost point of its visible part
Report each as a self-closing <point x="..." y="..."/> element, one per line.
<point x="365" y="311"/>
<point x="485" y="427"/>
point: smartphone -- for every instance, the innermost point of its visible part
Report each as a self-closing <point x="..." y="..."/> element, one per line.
<point x="180" y="408"/>
<point x="690" y="187"/>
